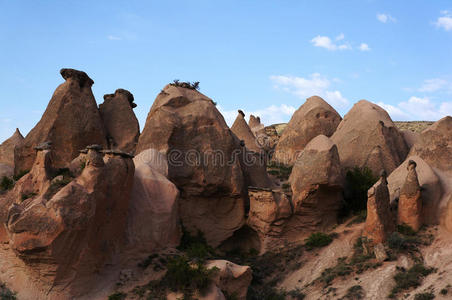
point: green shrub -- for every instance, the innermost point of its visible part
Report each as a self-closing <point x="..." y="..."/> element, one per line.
<point x="340" y="269"/>
<point x="360" y="217"/>
<point x="148" y="261"/>
<point x="117" y="296"/>
<point x="188" y="85"/>
<point x="56" y="186"/>
<point x="424" y="296"/>
<point x="21" y="174"/>
<point x="279" y="170"/>
<point x="355" y="292"/>
<point x="318" y="240"/>
<point x="185" y="277"/>
<point x="196" y="247"/>
<point x="296" y="294"/>
<point x="405" y="230"/>
<point x="399" y="242"/>
<point x="6" y="294"/>
<point x="357" y="182"/>
<point x="411" y="278"/>
<point x="28" y="196"/>
<point x="6" y="184"/>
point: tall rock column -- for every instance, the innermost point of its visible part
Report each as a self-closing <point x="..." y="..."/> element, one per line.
<point x="410" y="201"/>
<point x="379" y="221"/>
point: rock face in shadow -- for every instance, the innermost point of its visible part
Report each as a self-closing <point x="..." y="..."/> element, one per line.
<point x="66" y="232"/>
<point x="410" y="202"/>
<point x="380" y="220"/>
<point x="153" y="218"/>
<point x="434" y="145"/>
<point x="120" y="122"/>
<point x="71" y="122"/>
<point x="368" y="137"/>
<point x="203" y="161"/>
<point x="7" y="148"/>
<point x="231" y="278"/>
<point x="431" y="190"/>
<point x="255" y="125"/>
<point x="313" y="118"/>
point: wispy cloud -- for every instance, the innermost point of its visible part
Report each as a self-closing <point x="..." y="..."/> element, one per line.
<point x="445" y="20"/>
<point x="386" y="18"/>
<point x="418" y="108"/>
<point x="364" y="47"/>
<point x="327" y="43"/>
<point x="114" y="38"/>
<point x="314" y="84"/>
<point x="434" y="85"/>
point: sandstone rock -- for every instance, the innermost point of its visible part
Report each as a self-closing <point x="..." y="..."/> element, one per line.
<point x="256" y="126"/>
<point x="203" y="162"/>
<point x="379" y="222"/>
<point x="435" y="145"/>
<point x="429" y="182"/>
<point x="317" y="184"/>
<point x="213" y="293"/>
<point x="314" y="117"/>
<point x="269" y="212"/>
<point x="241" y="129"/>
<point x="7" y="148"/>
<point x="232" y="279"/>
<point x="368" y="137"/>
<point x="120" y="122"/>
<point x="410" y="202"/>
<point x="380" y="252"/>
<point x="6" y="170"/>
<point x="71" y="121"/>
<point x="65" y="239"/>
<point x="153" y="221"/>
<point x="410" y="137"/>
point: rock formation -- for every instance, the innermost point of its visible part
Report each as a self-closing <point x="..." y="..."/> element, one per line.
<point x="241" y="129"/>
<point x="379" y="222"/>
<point x="66" y="233"/>
<point x="268" y="215"/>
<point x="153" y="221"/>
<point x="314" y="117"/>
<point x="410" y="202"/>
<point x="317" y="184"/>
<point x="120" y="122"/>
<point x="368" y="137"/>
<point x="7" y="148"/>
<point x="429" y="182"/>
<point x="255" y="125"/>
<point x="71" y="122"/>
<point x="232" y="279"/>
<point x="203" y="161"/>
<point x="435" y="145"/>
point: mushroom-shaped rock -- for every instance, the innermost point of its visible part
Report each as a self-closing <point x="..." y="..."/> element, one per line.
<point x="317" y="184"/>
<point x="429" y="182"/>
<point x="314" y="117"/>
<point x="7" y="148"/>
<point x="241" y="129"/>
<point x="410" y="202"/>
<point x="231" y="278"/>
<point x="368" y="137"/>
<point x="120" y="122"/>
<point x="203" y="161"/>
<point x="379" y="222"/>
<point x="153" y="221"/>
<point x="71" y="122"/>
<point x="435" y="145"/>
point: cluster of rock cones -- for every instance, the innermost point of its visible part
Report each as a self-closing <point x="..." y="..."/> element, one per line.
<point x="98" y="196"/>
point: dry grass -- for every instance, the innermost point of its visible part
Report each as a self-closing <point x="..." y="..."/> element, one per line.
<point x="415" y="126"/>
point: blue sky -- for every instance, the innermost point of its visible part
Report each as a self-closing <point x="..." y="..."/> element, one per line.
<point x="263" y="57"/>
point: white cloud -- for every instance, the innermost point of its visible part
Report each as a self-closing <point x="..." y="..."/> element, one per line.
<point x="364" y="47"/>
<point x="270" y="115"/>
<point x="315" y="84"/>
<point x="385" y="18"/>
<point x="445" y="21"/>
<point x="416" y="108"/>
<point x="435" y="84"/>
<point x="114" y="38"/>
<point x="340" y="37"/>
<point x="327" y="43"/>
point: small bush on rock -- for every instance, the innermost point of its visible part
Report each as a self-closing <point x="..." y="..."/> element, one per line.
<point x="424" y="296"/>
<point x="411" y="278"/>
<point x="20" y="174"/>
<point x="318" y="240"/>
<point x="6" y="294"/>
<point x="357" y="182"/>
<point x="6" y="184"/>
<point x="196" y="247"/>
